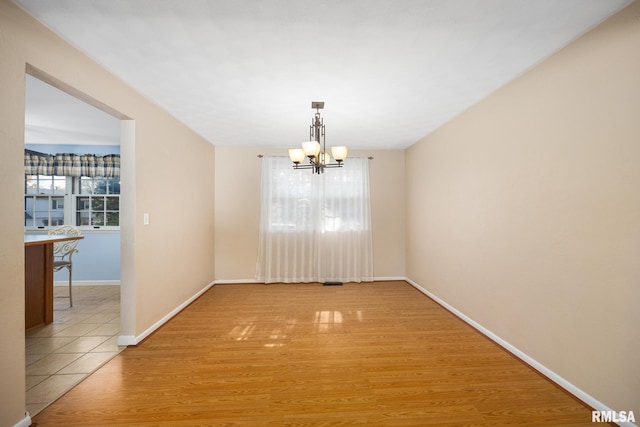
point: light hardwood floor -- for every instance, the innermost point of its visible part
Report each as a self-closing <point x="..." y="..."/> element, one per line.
<point x="379" y="354"/>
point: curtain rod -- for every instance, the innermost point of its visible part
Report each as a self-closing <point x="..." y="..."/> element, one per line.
<point x="261" y="156"/>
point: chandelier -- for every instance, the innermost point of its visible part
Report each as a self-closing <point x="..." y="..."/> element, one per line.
<point x="315" y="149"/>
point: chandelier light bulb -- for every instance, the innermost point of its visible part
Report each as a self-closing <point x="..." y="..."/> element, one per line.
<point x="311" y="148"/>
<point x="339" y="152"/>
<point x="296" y="155"/>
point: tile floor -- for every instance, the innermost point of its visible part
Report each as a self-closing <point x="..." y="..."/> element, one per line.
<point x="80" y="340"/>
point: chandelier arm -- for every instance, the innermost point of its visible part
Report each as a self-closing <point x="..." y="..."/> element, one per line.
<point x="303" y="166"/>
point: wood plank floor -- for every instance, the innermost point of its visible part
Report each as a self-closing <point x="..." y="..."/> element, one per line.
<point x="379" y="354"/>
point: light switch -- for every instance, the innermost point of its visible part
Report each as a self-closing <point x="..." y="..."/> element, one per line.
<point x="145" y="218"/>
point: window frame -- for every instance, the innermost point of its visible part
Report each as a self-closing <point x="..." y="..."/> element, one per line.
<point x="70" y="197"/>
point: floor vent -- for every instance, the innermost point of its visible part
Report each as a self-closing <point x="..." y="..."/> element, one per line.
<point x="332" y="284"/>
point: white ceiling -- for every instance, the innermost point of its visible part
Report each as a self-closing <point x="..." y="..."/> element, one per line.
<point x="244" y="72"/>
<point x="54" y="117"/>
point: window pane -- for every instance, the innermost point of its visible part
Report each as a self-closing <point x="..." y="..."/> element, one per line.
<point x="113" y="218"/>
<point x="83" y="203"/>
<point x="86" y="185"/>
<point x="97" y="203"/>
<point x="113" y="203"/>
<point x="41" y="218"/>
<point x="42" y="203"/>
<point x="114" y="186"/>
<point x="59" y="184"/>
<point x="31" y="184"/>
<point x="45" y="184"/>
<point x="57" y="203"/>
<point x="97" y="218"/>
<point x="57" y="211"/>
<point x="82" y="218"/>
<point x="100" y="186"/>
<point x="28" y="211"/>
<point x="28" y="204"/>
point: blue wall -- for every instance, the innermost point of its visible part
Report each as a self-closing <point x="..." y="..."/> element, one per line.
<point x="97" y="259"/>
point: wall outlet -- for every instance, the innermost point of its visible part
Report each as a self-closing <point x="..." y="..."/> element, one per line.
<point x="145" y="218"/>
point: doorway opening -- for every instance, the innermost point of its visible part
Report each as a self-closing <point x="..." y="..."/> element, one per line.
<point x="60" y="119"/>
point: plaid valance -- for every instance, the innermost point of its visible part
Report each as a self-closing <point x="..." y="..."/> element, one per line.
<point x="65" y="164"/>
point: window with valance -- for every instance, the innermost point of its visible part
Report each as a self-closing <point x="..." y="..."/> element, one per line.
<point x="76" y="189"/>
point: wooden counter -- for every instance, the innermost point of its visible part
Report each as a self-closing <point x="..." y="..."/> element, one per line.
<point x="38" y="278"/>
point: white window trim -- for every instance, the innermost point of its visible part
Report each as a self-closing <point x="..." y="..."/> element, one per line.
<point x="72" y="184"/>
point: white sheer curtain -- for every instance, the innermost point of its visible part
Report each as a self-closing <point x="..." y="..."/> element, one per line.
<point x="315" y="227"/>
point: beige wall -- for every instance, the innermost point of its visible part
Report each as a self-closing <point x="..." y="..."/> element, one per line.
<point x="238" y="211"/>
<point x="524" y="212"/>
<point x="170" y="260"/>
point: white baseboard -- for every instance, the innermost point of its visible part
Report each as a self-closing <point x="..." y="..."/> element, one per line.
<point x="87" y="283"/>
<point x="577" y="392"/>
<point x="234" y="281"/>
<point x="135" y="339"/>
<point x="239" y="281"/>
<point x="25" y="422"/>
<point x="389" y="279"/>
<point x="124" y="340"/>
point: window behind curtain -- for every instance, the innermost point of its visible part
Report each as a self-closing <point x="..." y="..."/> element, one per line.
<point x="315" y="227"/>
